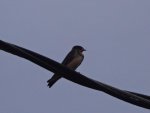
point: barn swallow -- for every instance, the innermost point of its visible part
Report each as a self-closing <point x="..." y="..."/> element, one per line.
<point x="72" y="61"/>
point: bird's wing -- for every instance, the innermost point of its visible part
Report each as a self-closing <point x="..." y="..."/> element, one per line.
<point x="68" y="58"/>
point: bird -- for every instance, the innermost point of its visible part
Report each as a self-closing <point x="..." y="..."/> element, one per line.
<point x="73" y="59"/>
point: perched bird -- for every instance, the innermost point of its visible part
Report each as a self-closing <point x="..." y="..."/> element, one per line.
<point x="72" y="61"/>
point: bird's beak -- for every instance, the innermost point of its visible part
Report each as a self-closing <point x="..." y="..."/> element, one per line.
<point x="84" y="49"/>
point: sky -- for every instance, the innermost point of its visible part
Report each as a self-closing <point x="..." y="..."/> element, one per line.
<point x="115" y="33"/>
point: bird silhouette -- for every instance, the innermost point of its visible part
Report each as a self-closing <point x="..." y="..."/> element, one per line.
<point x="72" y="61"/>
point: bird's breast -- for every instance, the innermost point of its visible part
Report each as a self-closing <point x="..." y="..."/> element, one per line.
<point x="75" y="62"/>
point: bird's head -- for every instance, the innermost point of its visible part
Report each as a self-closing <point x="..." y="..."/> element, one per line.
<point x="78" y="48"/>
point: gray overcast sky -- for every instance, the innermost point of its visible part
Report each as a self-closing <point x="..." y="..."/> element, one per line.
<point x="116" y="34"/>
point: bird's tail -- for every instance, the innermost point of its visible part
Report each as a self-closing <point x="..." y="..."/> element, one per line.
<point x="53" y="80"/>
